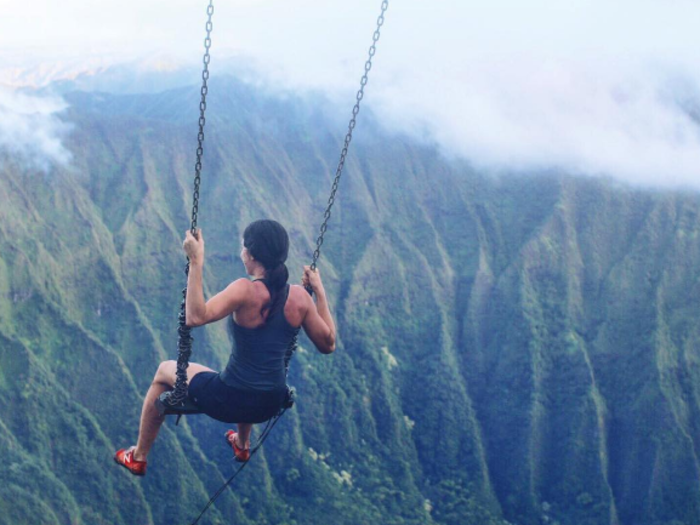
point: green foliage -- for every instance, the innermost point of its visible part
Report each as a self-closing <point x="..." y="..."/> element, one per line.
<point x="454" y="503"/>
<point x="510" y="348"/>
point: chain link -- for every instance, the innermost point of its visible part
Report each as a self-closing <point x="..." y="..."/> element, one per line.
<point x="184" y="339"/>
<point x="348" y="137"/>
<point x="179" y="394"/>
<point x="202" y="119"/>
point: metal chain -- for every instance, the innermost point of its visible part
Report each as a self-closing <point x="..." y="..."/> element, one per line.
<point x="179" y="395"/>
<point x="202" y="119"/>
<point x="184" y="351"/>
<point x="348" y="137"/>
<point x="184" y="337"/>
<point x="290" y="351"/>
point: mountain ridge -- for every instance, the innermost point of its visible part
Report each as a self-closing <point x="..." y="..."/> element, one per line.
<point x="505" y="343"/>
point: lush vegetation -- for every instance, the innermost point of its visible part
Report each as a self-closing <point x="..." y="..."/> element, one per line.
<point x="521" y="349"/>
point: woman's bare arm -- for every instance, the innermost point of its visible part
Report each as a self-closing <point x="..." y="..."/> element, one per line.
<point x="197" y="310"/>
<point x="227" y="301"/>
<point x="318" y="322"/>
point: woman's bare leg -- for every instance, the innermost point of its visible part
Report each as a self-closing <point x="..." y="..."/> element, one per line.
<point x="244" y="434"/>
<point x="151" y="420"/>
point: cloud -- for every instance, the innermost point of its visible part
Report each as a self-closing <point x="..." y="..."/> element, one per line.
<point x="30" y="130"/>
<point x="631" y="121"/>
<point x="585" y="86"/>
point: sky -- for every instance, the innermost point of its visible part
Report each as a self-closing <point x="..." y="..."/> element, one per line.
<point x="592" y="87"/>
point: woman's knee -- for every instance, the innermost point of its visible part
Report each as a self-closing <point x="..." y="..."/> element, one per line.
<point x="166" y="371"/>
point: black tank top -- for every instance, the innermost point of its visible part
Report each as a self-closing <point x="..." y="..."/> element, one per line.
<point x="257" y="356"/>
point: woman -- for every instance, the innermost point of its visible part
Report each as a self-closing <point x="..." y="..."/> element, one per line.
<point x="264" y="313"/>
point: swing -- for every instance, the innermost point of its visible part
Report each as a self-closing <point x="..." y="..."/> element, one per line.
<point x="177" y="402"/>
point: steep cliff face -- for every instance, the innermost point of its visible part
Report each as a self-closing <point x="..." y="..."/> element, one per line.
<point x="511" y="348"/>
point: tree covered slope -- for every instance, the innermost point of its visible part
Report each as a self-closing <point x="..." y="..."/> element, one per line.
<point x="511" y="348"/>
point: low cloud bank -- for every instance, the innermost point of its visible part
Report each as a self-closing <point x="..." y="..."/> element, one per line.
<point x="30" y="130"/>
<point x="636" y="123"/>
<point x="585" y="86"/>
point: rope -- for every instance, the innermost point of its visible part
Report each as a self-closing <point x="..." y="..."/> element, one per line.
<point x="263" y="436"/>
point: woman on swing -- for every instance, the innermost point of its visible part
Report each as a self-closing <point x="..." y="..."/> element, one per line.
<point x="263" y="315"/>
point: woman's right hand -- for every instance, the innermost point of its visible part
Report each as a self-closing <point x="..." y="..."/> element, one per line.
<point x="312" y="278"/>
<point x="194" y="246"/>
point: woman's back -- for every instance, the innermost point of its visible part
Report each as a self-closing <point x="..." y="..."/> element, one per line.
<point x="261" y="339"/>
<point x="249" y="315"/>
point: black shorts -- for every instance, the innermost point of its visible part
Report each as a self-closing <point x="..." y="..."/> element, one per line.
<point x="233" y="405"/>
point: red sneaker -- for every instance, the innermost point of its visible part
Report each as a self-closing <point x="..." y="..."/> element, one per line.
<point x="125" y="458"/>
<point x="242" y="454"/>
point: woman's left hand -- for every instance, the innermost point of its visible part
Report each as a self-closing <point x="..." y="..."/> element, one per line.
<point x="194" y="246"/>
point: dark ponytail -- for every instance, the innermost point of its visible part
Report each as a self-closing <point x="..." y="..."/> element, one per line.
<point x="268" y="243"/>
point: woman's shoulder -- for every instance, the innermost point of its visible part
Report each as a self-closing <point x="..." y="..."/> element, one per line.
<point x="241" y="284"/>
<point x="298" y="294"/>
<point x="297" y="289"/>
<point x="241" y="288"/>
<point x="297" y="304"/>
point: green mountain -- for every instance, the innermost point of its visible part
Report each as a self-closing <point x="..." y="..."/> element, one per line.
<point x="521" y="349"/>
